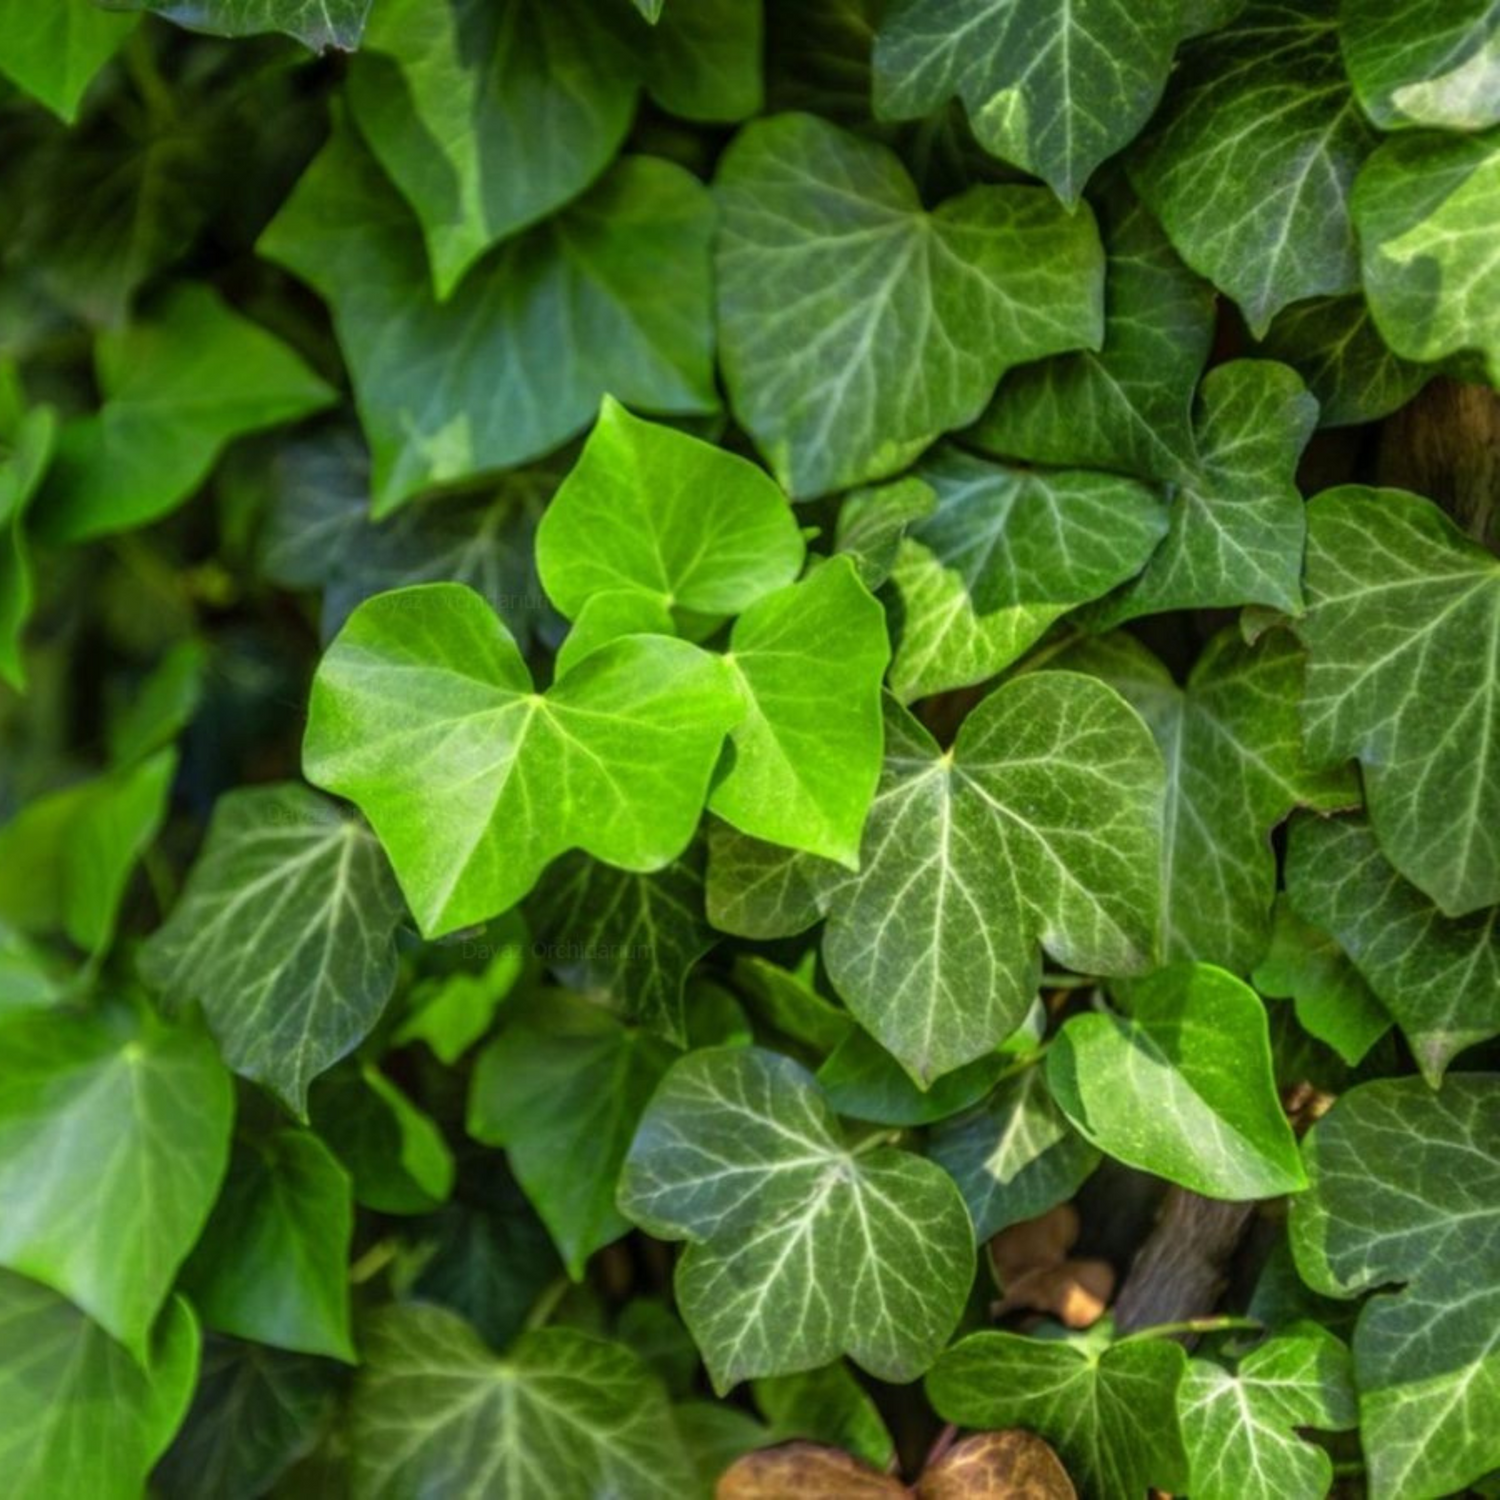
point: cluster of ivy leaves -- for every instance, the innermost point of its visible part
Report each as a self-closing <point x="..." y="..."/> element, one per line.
<point x="664" y="663"/>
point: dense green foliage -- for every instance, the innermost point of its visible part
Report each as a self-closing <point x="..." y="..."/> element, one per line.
<point x="665" y="662"/>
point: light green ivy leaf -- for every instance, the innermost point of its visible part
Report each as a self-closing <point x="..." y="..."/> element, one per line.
<point x="562" y="1089"/>
<point x="85" y="1419"/>
<point x="1403" y="1203"/>
<point x="1403" y="636"/>
<point x="1237" y="527"/>
<point x="487" y="380"/>
<point x="1250" y="161"/>
<point x="855" y="326"/>
<point x="273" y="1263"/>
<point x="54" y="51"/>
<point x="1424" y="205"/>
<point x="1109" y="1412"/>
<point x="285" y="934"/>
<point x="1241" y="1428"/>
<point x="1128" y="406"/>
<point x="1006" y="552"/>
<point x="114" y="1135"/>
<point x="179" y="384"/>
<point x="1181" y="1085"/>
<point x="561" y="1416"/>
<point x="1439" y="976"/>
<point x="800" y="1248"/>
<point x="424" y="715"/>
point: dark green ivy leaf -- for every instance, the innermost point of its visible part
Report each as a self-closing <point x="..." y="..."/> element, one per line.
<point x="316" y="23"/>
<point x="26" y="445"/>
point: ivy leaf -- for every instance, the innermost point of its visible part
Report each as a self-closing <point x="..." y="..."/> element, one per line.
<point x="1405" y="1183"/>
<point x="480" y="382"/>
<point x="1240" y="1428"/>
<point x="1416" y="63"/>
<point x="285" y="934"/>
<point x="761" y="890"/>
<point x="631" y="515"/>
<point x="1110" y="1413"/>
<point x="1250" y="162"/>
<point x="1038" y="826"/>
<point x="178" y="386"/>
<point x="85" y="1419"/>
<point x="25" y="452"/>
<point x="862" y="1081"/>
<point x="1431" y="271"/>
<point x="139" y="1112"/>
<point x="1006" y="552"/>
<point x="1126" y="407"/>
<point x="873" y="520"/>
<point x="562" y="1089"/>
<point x="560" y="1417"/>
<point x="424" y="715"/>
<point x="1237" y="526"/>
<point x="1033" y="75"/>
<point x="625" y="937"/>
<point x="316" y="23"/>
<point x="1403" y="633"/>
<point x="54" y="51"/>
<point x="272" y="1265"/>
<point x="801" y="1249"/>
<point x="1304" y="964"/>
<point x="809" y="660"/>
<point x="450" y="101"/>
<point x="1182" y="1086"/>
<point x="826" y="1406"/>
<point x="1016" y="1156"/>
<point x="1332" y="342"/>
<point x="1232" y="743"/>
<point x="1438" y="976"/>
<point x="824" y="231"/>
<point x="255" y="1411"/>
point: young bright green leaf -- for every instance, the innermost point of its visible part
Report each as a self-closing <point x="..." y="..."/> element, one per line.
<point x="1016" y="1156"/>
<point x="1439" y="976"/>
<point x="855" y="326"/>
<point x="1423" y="206"/>
<point x="451" y="1011"/>
<point x="54" y="51"/>
<point x="1250" y="162"/>
<point x="1424" y="62"/>
<point x="1232" y="743"/>
<point x="801" y="1249"/>
<point x="395" y="1155"/>
<point x="1302" y="963"/>
<point x="255" y="1411"/>
<point x="560" y="1417"/>
<point x="648" y="509"/>
<point x="25" y="453"/>
<point x="85" y="1419"/>
<point x="1403" y="636"/>
<point x="1053" y="88"/>
<point x="285" y="934"/>
<point x="425" y="716"/>
<point x="114" y="1133"/>
<point x="805" y="758"/>
<point x="179" y="385"/>
<point x="1039" y="826"/>
<point x="1241" y="1428"/>
<point x="873" y="520"/>
<point x="66" y="858"/>
<point x="316" y="23"/>
<point x="1182" y="1085"/>
<point x="562" y="1089"/>
<point x="1332" y="342"/>
<point x="1110" y="1413"/>
<point x="862" y="1081"/>
<point x="492" y="378"/>
<point x="606" y="617"/>
<point x="625" y="937"/>
<point x="1127" y="407"/>
<point x="452" y="97"/>
<point x="273" y="1263"/>
<point x="1405" y="1201"/>
<point x="1237" y="526"/>
<point x="1006" y="552"/>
